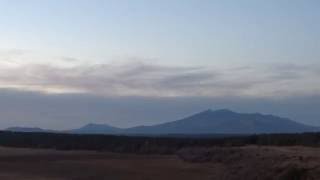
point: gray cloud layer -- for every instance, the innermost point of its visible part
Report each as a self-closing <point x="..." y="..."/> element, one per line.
<point x="66" y="96"/>
<point x="149" y="80"/>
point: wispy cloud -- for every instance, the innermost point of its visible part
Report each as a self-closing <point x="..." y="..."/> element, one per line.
<point x="146" y="79"/>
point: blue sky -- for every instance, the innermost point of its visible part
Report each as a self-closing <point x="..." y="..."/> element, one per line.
<point x="172" y="32"/>
<point x="248" y="50"/>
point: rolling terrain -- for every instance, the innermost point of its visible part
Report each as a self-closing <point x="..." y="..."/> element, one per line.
<point x="222" y="121"/>
<point x="248" y="162"/>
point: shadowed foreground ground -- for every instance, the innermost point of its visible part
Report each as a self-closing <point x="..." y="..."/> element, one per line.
<point x="249" y="162"/>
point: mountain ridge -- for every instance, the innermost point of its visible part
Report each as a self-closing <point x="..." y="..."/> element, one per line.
<point x="222" y="121"/>
<point x="27" y="129"/>
<point x="93" y="128"/>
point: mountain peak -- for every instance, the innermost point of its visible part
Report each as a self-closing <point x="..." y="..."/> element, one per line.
<point x="207" y="111"/>
<point x="94" y="124"/>
<point x="223" y="111"/>
<point x="225" y="121"/>
<point x="94" y="128"/>
<point x="221" y="121"/>
<point x="219" y="111"/>
<point x="210" y="112"/>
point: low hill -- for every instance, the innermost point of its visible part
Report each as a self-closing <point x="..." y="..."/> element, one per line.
<point x="220" y="122"/>
<point x="92" y="128"/>
<point x="27" y="129"/>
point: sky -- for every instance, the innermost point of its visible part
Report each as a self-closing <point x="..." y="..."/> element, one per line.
<point x="65" y="63"/>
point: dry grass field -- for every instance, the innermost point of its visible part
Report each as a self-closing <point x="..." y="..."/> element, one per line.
<point x="247" y="163"/>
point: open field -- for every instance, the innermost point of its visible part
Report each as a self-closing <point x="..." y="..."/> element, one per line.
<point x="51" y="164"/>
<point x="248" y="162"/>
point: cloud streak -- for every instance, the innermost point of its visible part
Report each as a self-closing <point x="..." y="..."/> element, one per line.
<point x="152" y="80"/>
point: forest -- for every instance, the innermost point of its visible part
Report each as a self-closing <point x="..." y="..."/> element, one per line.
<point x="149" y="145"/>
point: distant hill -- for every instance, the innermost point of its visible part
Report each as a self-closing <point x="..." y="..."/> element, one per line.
<point x="226" y="122"/>
<point x="208" y="122"/>
<point x="27" y="129"/>
<point x="96" y="129"/>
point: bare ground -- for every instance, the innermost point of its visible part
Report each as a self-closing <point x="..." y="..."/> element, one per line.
<point x="246" y="163"/>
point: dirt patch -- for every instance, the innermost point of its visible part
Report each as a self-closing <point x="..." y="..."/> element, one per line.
<point x="254" y="162"/>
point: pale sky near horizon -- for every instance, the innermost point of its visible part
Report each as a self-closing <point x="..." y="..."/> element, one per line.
<point x="246" y="49"/>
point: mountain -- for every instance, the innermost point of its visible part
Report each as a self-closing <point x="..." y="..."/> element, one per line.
<point x="87" y="129"/>
<point x="96" y="129"/>
<point x="225" y="122"/>
<point x="221" y="122"/>
<point x="27" y="129"/>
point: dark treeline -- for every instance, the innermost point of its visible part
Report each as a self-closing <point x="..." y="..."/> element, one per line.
<point x="145" y="145"/>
